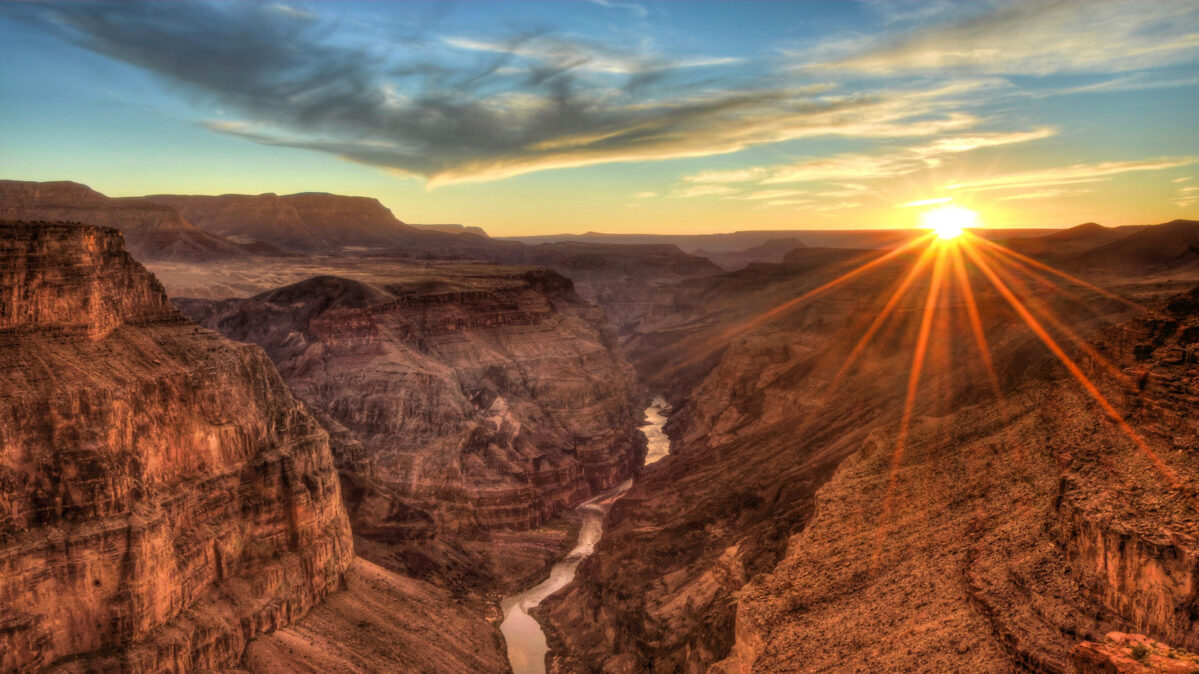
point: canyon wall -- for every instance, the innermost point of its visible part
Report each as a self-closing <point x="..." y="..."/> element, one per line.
<point x="792" y="530"/>
<point x="464" y="400"/>
<point x="164" y="497"/>
<point x="152" y="231"/>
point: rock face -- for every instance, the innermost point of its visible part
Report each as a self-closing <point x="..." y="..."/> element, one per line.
<point x="307" y="222"/>
<point x="623" y="279"/>
<point x="319" y="223"/>
<point x="152" y="231"/>
<point x="464" y="399"/>
<point x="786" y="532"/>
<point x="163" y="497"/>
<point x="382" y="622"/>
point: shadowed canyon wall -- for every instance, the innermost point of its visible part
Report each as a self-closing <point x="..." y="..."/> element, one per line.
<point x="464" y="399"/>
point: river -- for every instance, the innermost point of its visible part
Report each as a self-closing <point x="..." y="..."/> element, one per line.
<point x="526" y="642"/>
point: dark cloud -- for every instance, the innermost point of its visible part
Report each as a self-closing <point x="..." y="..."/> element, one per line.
<point x="452" y="111"/>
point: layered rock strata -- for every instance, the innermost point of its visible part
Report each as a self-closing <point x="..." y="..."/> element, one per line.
<point x="152" y="231"/>
<point x="464" y="400"/>
<point x="163" y="497"/>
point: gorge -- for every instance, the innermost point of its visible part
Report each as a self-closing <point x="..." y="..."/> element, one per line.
<point x="371" y="461"/>
<point x="527" y="647"/>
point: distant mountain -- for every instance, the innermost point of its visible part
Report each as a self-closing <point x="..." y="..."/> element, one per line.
<point x="453" y="229"/>
<point x="320" y="223"/>
<point x="732" y="242"/>
<point x="1069" y="241"/>
<point x="772" y="250"/>
<point x="152" y="231"/>
<point x="309" y="222"/>
<point x="1168" y="245"/>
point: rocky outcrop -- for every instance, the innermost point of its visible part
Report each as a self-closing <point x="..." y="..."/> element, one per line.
<point x="152" y="231"/>
<point x="163" y="497"/>
<point x="1121" y="653"/>
<point x="465" y="399"/>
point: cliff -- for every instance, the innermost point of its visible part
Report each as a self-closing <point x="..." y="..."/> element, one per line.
<point x="152" y="231"/>
<point x="163" y="497"/>
<point x="320" y="223"/>
<point x="465" y="399"/>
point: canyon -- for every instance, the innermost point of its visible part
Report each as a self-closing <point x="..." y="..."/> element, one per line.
<point x="312" y="446"/>
<point x="463" y="399"/>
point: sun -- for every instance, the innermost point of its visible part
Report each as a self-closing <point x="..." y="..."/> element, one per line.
<point x="949" y="221"/>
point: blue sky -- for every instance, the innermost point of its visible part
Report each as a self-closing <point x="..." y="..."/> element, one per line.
<point x="679" y="116"/>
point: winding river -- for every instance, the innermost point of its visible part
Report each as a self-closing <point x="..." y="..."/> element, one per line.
<point x="526" y="642"/>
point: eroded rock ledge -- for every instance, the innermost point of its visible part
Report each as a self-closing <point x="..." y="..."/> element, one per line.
<point x="163" y="497"/>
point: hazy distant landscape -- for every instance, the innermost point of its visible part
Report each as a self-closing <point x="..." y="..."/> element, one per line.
<point x="599" y="336"/>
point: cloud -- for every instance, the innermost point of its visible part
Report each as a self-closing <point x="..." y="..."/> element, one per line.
<point x="493" y="110"/>
<point x="584" y="55"/>
<point x="1043" y="194"/>
<point x="895" y="163"/>
<point x="1032" y="38"/>
<point x="733" y="176"/>
<point x="840" y="206"/>
<point x="633" y="7"/>
<point x="925" y="202"/>
<point x="1068" y="175"/>
<point x="701" y="191"/>
<point x="645" y="195"/>
<point x="785" y="202"/>
<point x="772" y="194"/>
<point x="1181" y="180"/>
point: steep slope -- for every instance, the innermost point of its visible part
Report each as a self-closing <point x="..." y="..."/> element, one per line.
<point x="163" y="497"/>
<point x="465" y="399"/>
<point x="382" y="622"/>
<point x="790" y="530"/>
<point x="152" y="231"/>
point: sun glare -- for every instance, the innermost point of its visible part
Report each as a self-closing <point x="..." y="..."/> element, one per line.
<point x="949" y="221"/>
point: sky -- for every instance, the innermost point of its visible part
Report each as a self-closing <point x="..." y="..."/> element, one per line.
<point x="605" y="115"/>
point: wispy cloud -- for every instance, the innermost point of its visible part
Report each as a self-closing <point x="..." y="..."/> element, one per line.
<point x="584" y="55"/>
<point x="633" y="7"/>
<point x="1035" y="38"/>
<point x="645" y="195"/>
<point x="701" y="191"/>
<point x="1067" y="175"/>
<point x="1043" y="194"/>
<point x="532" y="103"/>
<point x="925" y="202"/>
<point x="898" y="162"/>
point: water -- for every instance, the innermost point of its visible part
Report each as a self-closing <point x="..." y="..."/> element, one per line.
<point x="526" y="642"/>
<point x="659" y="444"/>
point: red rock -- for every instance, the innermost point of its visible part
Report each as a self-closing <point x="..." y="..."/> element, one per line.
<point x="163" y="497"/>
